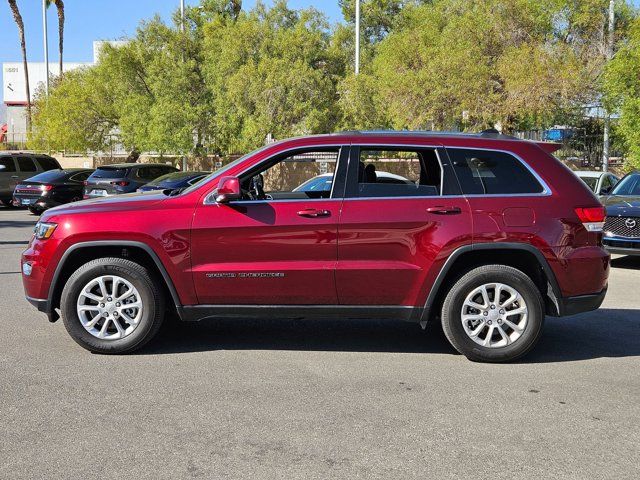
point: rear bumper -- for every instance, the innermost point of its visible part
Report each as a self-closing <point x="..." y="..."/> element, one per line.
<point x="622" y="246"/>
<point x="43" y="306"/>
<point x="581" y="303"/>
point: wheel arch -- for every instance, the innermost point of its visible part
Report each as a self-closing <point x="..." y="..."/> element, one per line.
<point x="522" y="256"/>
<point x="80" y="253"/>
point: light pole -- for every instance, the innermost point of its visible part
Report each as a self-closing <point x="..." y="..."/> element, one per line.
<point x="357" y="37"/>
<point x="46" y="47"/>
<point x="184" y="158"/>
<point x="606" y="147"/>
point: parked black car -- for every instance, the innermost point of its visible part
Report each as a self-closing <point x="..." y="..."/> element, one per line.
<point x="174" y="181"/>
<point x="123" y="178"/>
<point x="50" y="189"/>
<point x="18" y="166"/>
<point x="622" y="225"/>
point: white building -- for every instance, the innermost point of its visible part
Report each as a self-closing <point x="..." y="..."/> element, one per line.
<point x="14" y="93"/>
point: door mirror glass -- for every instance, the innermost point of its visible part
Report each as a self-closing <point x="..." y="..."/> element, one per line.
<point x="605" y="190"/>
<point x="228" y="190"/>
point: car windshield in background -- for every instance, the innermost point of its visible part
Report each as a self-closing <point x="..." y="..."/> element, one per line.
<point x="110" y="173"/>
<point x="629" y="185"/>
<point x="590" y="181"/>
<point x="321" y="183"/>
<point x="171" y="180"/>
<point x="49" y="176"/>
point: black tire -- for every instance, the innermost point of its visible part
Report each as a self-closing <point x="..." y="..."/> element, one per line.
<point x="7" y="203"/>
<point x="35" y="211"/>
<point x="452" y="314"/>
<point x="150" y="292"/>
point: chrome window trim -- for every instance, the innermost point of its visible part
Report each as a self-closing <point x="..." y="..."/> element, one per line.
<point x="208" y="200"/>
<point x="546" y="191"/>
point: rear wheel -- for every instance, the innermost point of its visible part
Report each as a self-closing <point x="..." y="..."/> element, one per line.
<point x="112" y="305"/>
<point x="7" y="203"/>
<point x="35" y="211"/>
<point x="493" y="313"/>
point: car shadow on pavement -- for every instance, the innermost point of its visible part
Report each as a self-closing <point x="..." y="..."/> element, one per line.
<point x="630" y="262"/>
<point x="603" y="333"/>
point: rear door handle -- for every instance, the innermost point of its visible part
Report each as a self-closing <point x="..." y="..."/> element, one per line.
<point x="313" y="213"/>
<point x="440" y="210"/>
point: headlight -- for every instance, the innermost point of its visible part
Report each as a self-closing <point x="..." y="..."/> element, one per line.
<point x="44" y="230"/>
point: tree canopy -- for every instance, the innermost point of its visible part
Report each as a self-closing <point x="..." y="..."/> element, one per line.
<point x="233" y="76"/>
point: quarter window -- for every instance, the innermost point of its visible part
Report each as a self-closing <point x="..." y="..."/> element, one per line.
<point x="485" y="172"/>
<point x="384" y="172"/>
<point x="47" y="163"/>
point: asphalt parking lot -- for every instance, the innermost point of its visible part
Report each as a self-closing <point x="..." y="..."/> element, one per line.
<point x="317" y="399"/>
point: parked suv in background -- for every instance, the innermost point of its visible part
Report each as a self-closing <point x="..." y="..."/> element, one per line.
<point x="18" y="166"/>
<point x="600" y="183"/>
<point x="622" y="226"/>
<point x="491" y="234"/>
<point x="123" y="178"/>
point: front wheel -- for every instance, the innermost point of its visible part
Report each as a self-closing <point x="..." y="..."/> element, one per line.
<point x="493" y="313"/>
<point x="112" y="305"/>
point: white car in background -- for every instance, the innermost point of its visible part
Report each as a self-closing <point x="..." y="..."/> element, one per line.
<point x="600" y="183"/>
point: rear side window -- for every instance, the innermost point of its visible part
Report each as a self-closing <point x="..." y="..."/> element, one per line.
<point x="25" y="164"/>
<point x="80" y="177"/>
<point x="486" y="172"/>
<point x="8" y="164"/>
<point x="150" y="173"/>
<point x="47" y="163"/>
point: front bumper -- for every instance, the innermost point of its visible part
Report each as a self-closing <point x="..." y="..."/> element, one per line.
<point x="581" y="303"/>
<point x="622" y="245"/>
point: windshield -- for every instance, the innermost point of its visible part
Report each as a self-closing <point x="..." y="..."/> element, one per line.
<point x="48" y="176"/>
<point x="629" y="185"/>
<point x="224" y="169"/>
<point x="172" y="180"/>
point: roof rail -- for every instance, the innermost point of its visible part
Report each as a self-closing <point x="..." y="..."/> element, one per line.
<point x="489" y="133"/>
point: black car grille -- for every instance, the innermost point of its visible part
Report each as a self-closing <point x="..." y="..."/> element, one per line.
<point x="623" y="226"/>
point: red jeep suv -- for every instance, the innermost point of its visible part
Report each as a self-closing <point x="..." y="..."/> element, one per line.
<point x="484" y="233"/>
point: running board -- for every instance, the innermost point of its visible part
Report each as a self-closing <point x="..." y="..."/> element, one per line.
<point x="194" y="313"/>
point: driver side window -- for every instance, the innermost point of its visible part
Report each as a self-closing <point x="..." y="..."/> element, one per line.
<point x="301" y="175"/>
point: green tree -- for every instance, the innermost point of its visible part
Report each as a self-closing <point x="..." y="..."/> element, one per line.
<point x="621" y="85"/>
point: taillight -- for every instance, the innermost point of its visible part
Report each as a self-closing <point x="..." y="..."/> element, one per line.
<point x="591" y="217"/>
<point x="46" y="188"/>
<point x="121" y="183"/>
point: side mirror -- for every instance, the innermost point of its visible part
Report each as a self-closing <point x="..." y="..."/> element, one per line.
<point x="228" y="190"/>
<point x="605" y="190"/>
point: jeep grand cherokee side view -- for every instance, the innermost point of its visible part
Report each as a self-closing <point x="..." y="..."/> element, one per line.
<point x="490" y="234"/>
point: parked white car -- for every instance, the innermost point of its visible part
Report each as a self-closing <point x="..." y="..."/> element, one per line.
<point x="600" y="182"/>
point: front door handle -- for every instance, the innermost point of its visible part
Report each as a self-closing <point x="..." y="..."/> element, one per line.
<point x="313" y="213"/>
<point x="440" y="210"/>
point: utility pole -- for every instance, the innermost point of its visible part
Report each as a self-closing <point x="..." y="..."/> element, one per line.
<point x="606" y="148"/>
<point x="182" y="15"/>
<point x="357" y="37"/>
<point x="46" y="47"/>
<point x="184" y="158"/>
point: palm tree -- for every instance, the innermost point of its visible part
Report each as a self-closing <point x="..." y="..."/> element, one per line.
<point x="60" y="6"/>
<point x="23" y="45"/>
